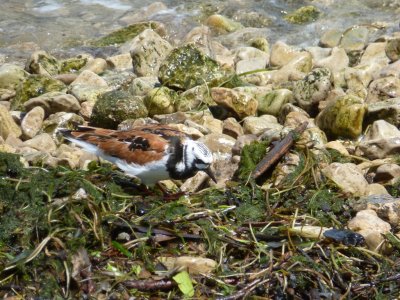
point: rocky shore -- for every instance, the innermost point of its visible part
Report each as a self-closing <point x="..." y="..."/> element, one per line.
<point x="227" y="86"/>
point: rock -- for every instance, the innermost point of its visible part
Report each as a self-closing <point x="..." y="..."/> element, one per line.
<point x="191" y="124"/>
<point x="282" y="53"/>
<point x="336" y="62"/>
<point x="343" y="118"/>
<point x="60" y="120"/>
<point x="392" y="49"/>
<point x="358" y="79"/>
<point x="87" y="93"/>
<point x="32" y="122"/>
<point x="392" y="69"/>
<point x="338" y="146"/>
<point x="388" y="110"/>
<point x="73" y="64"/>
<point x="194" y="183"/>
<point x="97" y="65"/>
<point x="283" y="169"/>
<point x="347" y="177"/>
<point x="69" y="155"/>
<point x="296" y="69"/>
<point x="7" y="124"/>
<point x="6" y="95"/>
<point x="240" y="103"/>
<point x="90" y="78"/>
<point x="160" y="101"/>
<point x="34" y="86"/>
<point x="140" y="86"/>
<point x="232" y="128"/>
<point x="120" y="61"/>
<point x="222" y="24"/>
<point x="42" y="142"/>
<point x="382" y="140"/>
<point x="193" y="265"/>
<point x="273" y="101"/>
<point x="294" y="118"/>
<point x="260" y="43"/>
<point x="376" y="189"/>
<point x="186" y="67"/>
<point x="387" y="172"/>
<point x="174" y="118"/>
<point x="385" y="206"/>
<point x="383" y="88"/>
<point x="67" y="79"/>
<point x="194" y="98"/>
<point x="375" y="52"/>
<point x="116" y="106"/>
<point x="355" y="38"/>
<point x="288" y="108"/>
<point x="330" y="38"/>
<point x="312" y="138"/>
<point x="258" y="125"/>
<point x="86" y="110"/>
<point x="192" y="132"/>
<point x="128" y="34"/>
<point x="212" y="124"/>
<point x="305" y="14"/>
<point x="312" y="89"/>
<point x="118" y="80"/>
<point x="370" y="226"/>
<point x="54" y="102"/>
<point x="11" y="76"/>
<point x="250" y="59"/>
<point x="219" y="144"/>
<point x="148" y="51"/>
<point x="43" y="63"/>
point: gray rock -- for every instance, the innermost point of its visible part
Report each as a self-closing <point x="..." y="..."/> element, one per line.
<point x="393" y="49"/>
<point x="120" y="62"/>
<point x="388" y="110"/>
<point x="194" y="98"/>
<point x="312" y="89"/>
<point x="330" y="38"/>
<point x="250" y="59"/>
<point x="116" y="106"/>
<point x="258" y="125"/>
<point x="232" y="128"/>
<point x="88" y="77"/>
<point x="97" y="65"/>
<point x="355" y="38"/>
<point x="54" y="102"/>
<point x="60" y="120"/>
<point x="282" y="53"/>
<point x="219" y="144"/>
<point x="87" y="93"/>
<point x="140" y="86"/>
<point x="148" y="52"/>
<point x="32" y="122"/>
<point x="42" y="142"/>
<point x="382" y="140"/>
<point x="383" y="89"/>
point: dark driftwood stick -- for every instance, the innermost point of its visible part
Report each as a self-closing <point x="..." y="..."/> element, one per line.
<point x="278" y="151"/>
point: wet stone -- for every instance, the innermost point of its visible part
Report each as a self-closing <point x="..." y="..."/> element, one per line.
<point x="32" y="122"/>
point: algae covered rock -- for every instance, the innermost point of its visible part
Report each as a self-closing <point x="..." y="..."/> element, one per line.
<point x="312" y="89"/>
<point x="116" y="106"/>
<point x="222" y="24"/>
<point x="11" y="76"/>
<point x="148" y="51"/>
<point x="61" y="120"/>
<point x="273" y="101"/>
<point x="392" y="49"/>
<point x="34" y="86"/>
<point x="305" y="14"/>
<point x="73" y="64"/>
<point x="43" y="63"/>
<point x="160" y="101"/>
<point x="125" y="34"/>
<point x="186" y="67"/>
<point x="7" y="124"/>
<point x="194" y="98"/>
<point x="343" y="118"/>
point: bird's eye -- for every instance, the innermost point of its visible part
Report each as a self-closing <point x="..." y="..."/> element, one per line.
<point x="198" y="161"/>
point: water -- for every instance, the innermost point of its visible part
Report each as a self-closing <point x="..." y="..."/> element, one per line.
<point x="64" y="26"/>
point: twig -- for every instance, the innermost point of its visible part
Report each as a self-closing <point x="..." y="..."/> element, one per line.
<point x="278" y="151"/>
<point x="150" y="285"/>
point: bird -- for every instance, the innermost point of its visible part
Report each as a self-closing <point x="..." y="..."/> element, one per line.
<point x="151" y="152"/>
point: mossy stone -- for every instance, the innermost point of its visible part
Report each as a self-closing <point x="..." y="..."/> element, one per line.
<point x="43" y="63"/>
<point x="34" y="86"/>
<point x="343" y="118"/>
<point x="186" y="67"/>
<point x="11" y="76"/>
<point x="73" y="64"/>
<point x="125" y="34"/>
<point x="272" y="102"/>
<point x="305" y="14"/>
<point x="160" y="101"/>
<point x="116" y="106"/>
<point x="392" y="49"/>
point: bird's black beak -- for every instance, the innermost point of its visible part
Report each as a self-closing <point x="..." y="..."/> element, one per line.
<point x="210" y="173"/>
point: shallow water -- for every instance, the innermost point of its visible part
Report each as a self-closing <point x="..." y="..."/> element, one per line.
<point x="63" y="26"/>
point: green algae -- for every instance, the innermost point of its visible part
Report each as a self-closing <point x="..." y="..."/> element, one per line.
<point x="251" y="155"/>
<point x="73" y="64"/>
<point x="125" y="34"/>
<point x="303" y="15"/>
<point x="186" y="67"/>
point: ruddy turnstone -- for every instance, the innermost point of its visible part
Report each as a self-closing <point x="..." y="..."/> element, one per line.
<point x="150" y="152"/>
